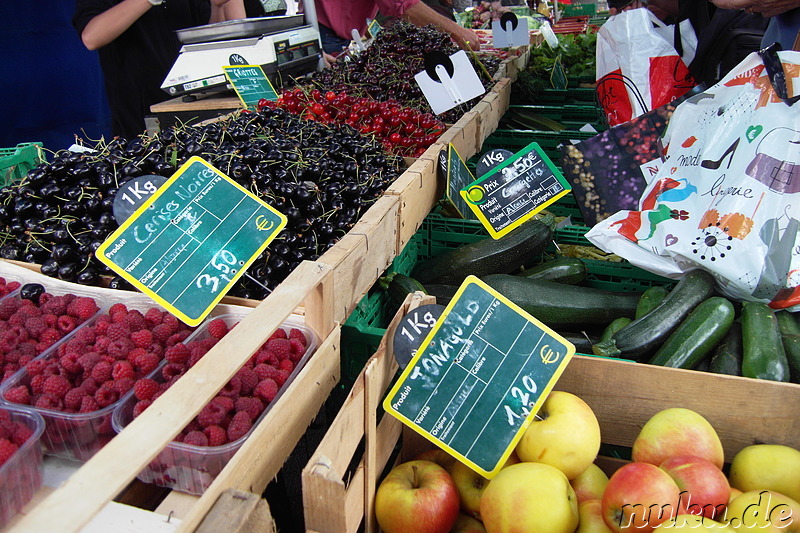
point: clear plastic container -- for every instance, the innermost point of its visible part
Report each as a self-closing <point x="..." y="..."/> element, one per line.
<point x="21" y="475"/>
<point x="76" y="436"/>
<point x="191" y="468"/>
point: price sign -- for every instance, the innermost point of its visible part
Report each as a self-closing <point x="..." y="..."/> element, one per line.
<point x="558" y="78"/>
<point x="250" y="83"/>
<point x="457" y="176"/>
<point x="514" y="191"/>
<point x="134" y="193"/>
<point x="448" y="81"/>
<point x="479" y="377"/>
<point x="374" y="28"/>
<point x="191" y="240"/>
<point x="510" y="31"/>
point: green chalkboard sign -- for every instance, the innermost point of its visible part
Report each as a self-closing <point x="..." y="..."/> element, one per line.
<point x="479" y="377"/>
<point x="189" y="242"/>
<point x="457" y="176"/>
<point x="515" y="190"/>
<point x="250" y="83"/>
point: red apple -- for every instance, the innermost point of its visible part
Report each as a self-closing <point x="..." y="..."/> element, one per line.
<point x="704" y="488"/>
<point x="438" y="456"/>
<point x="677" y="431"/>
<point x="417" y="497"/>
<point x="638" y="497"/>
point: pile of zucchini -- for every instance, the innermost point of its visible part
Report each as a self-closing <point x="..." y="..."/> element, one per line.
<point x="688" y="326"/>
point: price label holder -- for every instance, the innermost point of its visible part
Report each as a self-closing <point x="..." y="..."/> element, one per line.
<point x="510" y="31"/>
<point x="250" y="83"/>
<point x="191" y="240"/>
<point x="479" y="378"/>
<point x="514" y="191"/>
<point x="457" y="176"/>
<point x="374" y="28"/>
<point x="558" y="78"/>
<point x="448" y="81"/>
<point x="412" y="330"/>
<point x="134" y="193"/>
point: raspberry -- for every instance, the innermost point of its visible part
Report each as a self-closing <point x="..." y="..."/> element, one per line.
<point x="232" y="388"/>
<point x="142" y="338"/>
<point x="287" y="365"/>
<point x="88" y="405"/>
<point x="211" y="415"/>
<point x="140" y="406"/>
<point x="161" y="333"/>
<point x="18" y="394"/>
<point x="216" y="435"/>
<point x="102" y="324"/>
<point x="69" y="363"/>
<point x="66" y="323"/>
<point x="8" y="307"/>
<point x="145" y="388"/>
<point x="195" y="356"/>
<point x="217" y="328"/>
<point x="90" y="385"/>
<point x="283" y="375"/>
<point x="298" y="350"/>
<point x="35" y="326"/>
<point x="248" y="379"/>
<point x="57" y="386"/>
<point x="267" y="389"/>
<point x="56" y="305"/>
<point x="123" y="385"/>
<point x="37" y="383"/>
<point x="134" y="354"/>
<point x="7" y="449"/>
<point x="298" y="334"/>
<point x="119" y="349"/>
<point x="82" y="308"/>
<point x="264" y="371"/>
<point x="118" y="308"/>
<point x="253" y="406"/>
<point x="196" y="438"/>
<point x="117" y="331"/>
<point x="20" y="433"/>
<point x="135" y="320"/>
<point x="146" y="363"/>
<point x="153" y="316"/>
<point x="122" y="369"/>
<point x="73" y="398"/>
<point x="267" y="357"/>
<point x="85" y="335"/>
<point x="87" y="362"/>
<point x="208" y="343"/>
<point x="171" y="370"/>
<point x="106" y="394"/>
<point x="102" y="371"/>
<point x="171" y="321"/>
<point x="175" y="338"/>
<point x="36" y="367"/>
<point x="282" y="348"/>
<point x="48" y="401"/>
<point x="177" y="353"/>
<point x="239" y="426"/>
<point x="278" y="334"/>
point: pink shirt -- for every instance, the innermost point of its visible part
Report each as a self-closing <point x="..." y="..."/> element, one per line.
<point x="343" y="15"/>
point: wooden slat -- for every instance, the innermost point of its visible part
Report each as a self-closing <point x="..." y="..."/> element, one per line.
<point x="624" y="395"/>
<point x="361" y="256"/>
<point x="418" y="190"/>
<point x="238" y="512"/>
<point x="211" y="103"/>
<point x="463" y="135"/>
<point x="116" y="464"/>
<point x="492" y="108"/>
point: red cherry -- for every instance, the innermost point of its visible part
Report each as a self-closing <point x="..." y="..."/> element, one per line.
<point x="330" y="96"/>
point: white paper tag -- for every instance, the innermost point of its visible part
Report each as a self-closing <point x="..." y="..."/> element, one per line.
<point x="450" y="90"/>
<point x="549" y="35"/>
<point x="510" y="31"/>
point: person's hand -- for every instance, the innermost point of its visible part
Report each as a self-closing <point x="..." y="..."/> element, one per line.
<point x="466" y="38"/>
<point x="328" y="59"/>
<point x="636" y="4"/>
<point x="767" y="8"/>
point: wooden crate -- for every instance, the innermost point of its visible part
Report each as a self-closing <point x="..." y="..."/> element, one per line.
<point x="88" y="490"/>
<point x="493" y="106"/>
<point x="463" y="135"/>
<point x="622" y="394"/>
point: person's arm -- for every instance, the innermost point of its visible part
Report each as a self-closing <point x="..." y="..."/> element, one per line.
<point x="222" y="10"/>
<point x="421" y="14"/>
<point x="112" y="23"/>
<point x="767" y="8"/>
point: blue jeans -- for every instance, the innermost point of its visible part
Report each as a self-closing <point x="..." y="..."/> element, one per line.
<point x="331" y="43"/>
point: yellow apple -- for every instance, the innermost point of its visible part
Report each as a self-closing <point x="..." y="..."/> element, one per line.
<point x="590" y="484"/>
<point x="734" y="493"/>
<point x="466" y="524"/>
<point x="764" y="511"/>
<point x="690" y="522"/>
<point x="529" y="498"/>
<point x="470" y="485"/>
<point x="767" y="467"/>
<point x="591" y="517"/>
<point x="567" y="436"/>
<point x="677" y="431"/>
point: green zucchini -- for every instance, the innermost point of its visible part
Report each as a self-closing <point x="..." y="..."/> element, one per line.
<point x="727" y="358"/>
<point x="650" y="299"/>
<point x="487" y="256"/>
<point x="443" y="293"/>
<point x="401" y="286"/>
<point x="615" y="326"/>
<point x="787" y="323"/>
<point x="559" y="305"/>
<point x="644" y="335"/>
<point x="697" y="334"/>
<point x="568" y="270"/>
<point x="580" y="339"/>
<point x="791" y="344"/>
<point x="763" y="355"/>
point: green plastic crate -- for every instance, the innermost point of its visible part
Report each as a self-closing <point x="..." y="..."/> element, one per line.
<point x="579" y="95"/>
<point x="365" y="327"/>
<point x="15" y="163"/>
<point x="578" y="10"/>
<point x="574" y="117"/>
<point x="549" y="141"/>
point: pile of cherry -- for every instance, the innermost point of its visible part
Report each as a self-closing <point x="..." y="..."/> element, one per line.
<point x="322" y="177"/>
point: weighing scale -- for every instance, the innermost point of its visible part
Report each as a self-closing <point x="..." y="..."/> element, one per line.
<point x="282" y="46"/>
